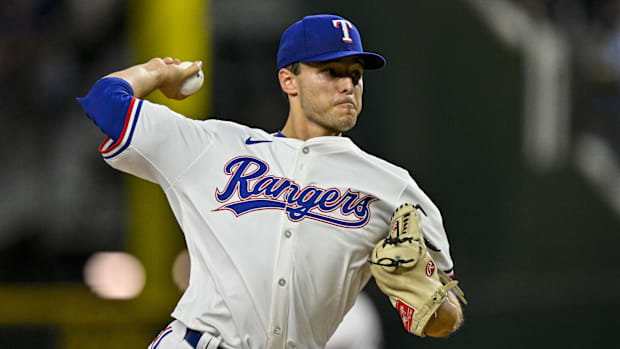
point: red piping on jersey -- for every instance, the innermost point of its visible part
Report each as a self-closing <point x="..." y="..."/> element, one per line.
<point x="120" y="138"/>
<point x="153" y="343"/>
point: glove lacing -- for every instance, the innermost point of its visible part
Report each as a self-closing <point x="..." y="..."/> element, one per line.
<point x="391" y="262"/>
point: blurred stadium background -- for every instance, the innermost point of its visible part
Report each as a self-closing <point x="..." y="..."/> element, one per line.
<point x="506" y="112"/>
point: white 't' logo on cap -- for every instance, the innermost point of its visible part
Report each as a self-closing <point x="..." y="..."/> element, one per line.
<point x="346" y="25"/>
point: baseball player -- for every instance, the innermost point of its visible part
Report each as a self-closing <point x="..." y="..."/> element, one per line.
<point x="279" y="226"/>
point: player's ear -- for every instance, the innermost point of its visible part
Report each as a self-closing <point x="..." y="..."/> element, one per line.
<point x="288" y="83"/>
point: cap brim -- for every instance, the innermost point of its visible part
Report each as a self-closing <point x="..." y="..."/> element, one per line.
<point x="371" y="60"/>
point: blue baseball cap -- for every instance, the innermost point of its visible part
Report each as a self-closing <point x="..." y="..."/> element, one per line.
<point x="322" y="38"/>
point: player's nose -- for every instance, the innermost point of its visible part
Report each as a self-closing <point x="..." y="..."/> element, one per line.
<point x="345" y="84"/>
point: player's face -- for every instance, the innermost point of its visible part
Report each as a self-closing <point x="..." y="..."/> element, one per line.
<point x="331" y="93"/>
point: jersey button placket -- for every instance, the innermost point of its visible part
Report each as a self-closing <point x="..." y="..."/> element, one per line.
<point x="281" y="301"/>
<point x="285" y="264"/>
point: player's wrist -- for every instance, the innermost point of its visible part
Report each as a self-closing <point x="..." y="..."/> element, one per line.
<point x="155" y="71"/>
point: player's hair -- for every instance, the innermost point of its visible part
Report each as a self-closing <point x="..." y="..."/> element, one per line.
<point x="293" y="67"/>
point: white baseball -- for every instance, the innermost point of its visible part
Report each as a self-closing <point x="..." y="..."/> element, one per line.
<point x="193" y="83"/>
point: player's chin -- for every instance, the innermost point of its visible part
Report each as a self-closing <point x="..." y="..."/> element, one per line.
<point x="346" y="118"/>
<point x="346" y="122"/>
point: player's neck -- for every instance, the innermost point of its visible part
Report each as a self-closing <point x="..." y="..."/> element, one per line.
<point x="302" y="128"/>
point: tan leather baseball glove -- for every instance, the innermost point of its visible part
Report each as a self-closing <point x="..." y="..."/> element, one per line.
<point x="404" y="270"/>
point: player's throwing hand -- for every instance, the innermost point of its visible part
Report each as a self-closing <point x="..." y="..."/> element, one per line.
<point x="165" y="74"/>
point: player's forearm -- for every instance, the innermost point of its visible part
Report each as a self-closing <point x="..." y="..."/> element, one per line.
<point x="448" y="319"/>
<point x="143" y="78"/>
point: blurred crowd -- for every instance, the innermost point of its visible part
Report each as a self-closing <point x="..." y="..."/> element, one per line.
<point x="57" y="204"/>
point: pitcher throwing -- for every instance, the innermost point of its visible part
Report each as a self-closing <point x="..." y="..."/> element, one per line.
<point x="279" y="226"/>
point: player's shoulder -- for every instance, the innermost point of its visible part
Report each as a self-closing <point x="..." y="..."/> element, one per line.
<point x="228" y="127"/>
<point x="210" y="124"/>
<point x="389" y="168"/>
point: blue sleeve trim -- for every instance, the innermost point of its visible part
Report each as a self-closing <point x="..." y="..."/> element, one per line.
<point x="107" y="105"/>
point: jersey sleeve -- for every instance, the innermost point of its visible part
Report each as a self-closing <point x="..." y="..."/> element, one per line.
<point x="432" y="223"/>
<point x="145" y="139"/>
<point x="107" y="104"/>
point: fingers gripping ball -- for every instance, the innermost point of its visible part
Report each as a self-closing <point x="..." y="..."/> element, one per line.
<point x="404" y="270"/>
<point x="192" y="84"/>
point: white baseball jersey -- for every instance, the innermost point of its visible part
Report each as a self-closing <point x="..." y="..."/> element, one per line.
<point x="278" y="230"/>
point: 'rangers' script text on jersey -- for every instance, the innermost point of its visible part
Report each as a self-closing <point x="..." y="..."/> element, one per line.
<point x="257" y="190"/>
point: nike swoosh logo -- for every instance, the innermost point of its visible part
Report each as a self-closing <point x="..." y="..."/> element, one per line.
<point x="250" y="141"/>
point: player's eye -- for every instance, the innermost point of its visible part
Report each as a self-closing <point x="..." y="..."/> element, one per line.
<point x="356" y="76"/>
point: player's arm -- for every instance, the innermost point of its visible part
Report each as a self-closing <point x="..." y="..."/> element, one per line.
<point x="424" y="295"/>
<point x="108" y="101"/>
<point x="163" y="74"/>
<point x="449" y="317"/>
<point x="146" y="134"/>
